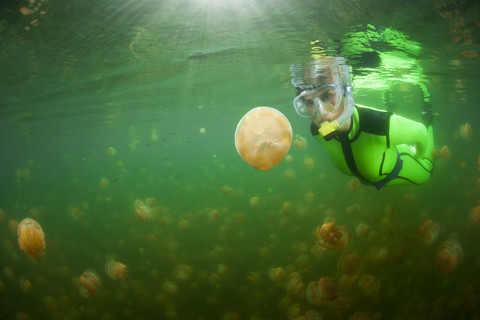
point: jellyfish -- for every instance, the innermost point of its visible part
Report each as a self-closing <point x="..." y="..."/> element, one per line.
<point x="294" y="284"/>
<point x="428" y="231"/>
<point x="445" y="152"/>
<point x="104" y="182"/>
<point x="449" y="256"/>
<point x="263" y="137"/>
<point x="466" y="131"/>
<point x="111" y="151"/>
<point x="330" y="237"/>
<point x="142" y="211"/>
<point x="309" y="163"/>
<point x="31" y="237"/>
<point x="88" y="283"/>
<point x="369" y="284"/>
<point x="276" y="273"/>
<point x="182" y="273"/>
<point x="169" y="288"/>
<point x="300" y="142"/>
<point x="114" y="269"/>
<point x="322" y="290"/>
<point x="24" y="284"/>
<point x="348" y="263"/>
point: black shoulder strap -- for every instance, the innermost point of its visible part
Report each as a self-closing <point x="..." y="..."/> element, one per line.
<point x="348" y="154"/>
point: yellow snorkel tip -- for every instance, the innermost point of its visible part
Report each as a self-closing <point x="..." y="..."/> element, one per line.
<point x="328" y="127"/>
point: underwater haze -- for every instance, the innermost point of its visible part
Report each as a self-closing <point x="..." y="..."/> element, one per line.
<point x="117" y="123"/>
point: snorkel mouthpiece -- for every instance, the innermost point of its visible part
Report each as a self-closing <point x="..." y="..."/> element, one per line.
<point x="328" y="127"/>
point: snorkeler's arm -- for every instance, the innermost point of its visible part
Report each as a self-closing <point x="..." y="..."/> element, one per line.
<point x="406" y="131"/>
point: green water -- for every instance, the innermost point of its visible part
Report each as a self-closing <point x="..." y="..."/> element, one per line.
<point x="144" y="77"/>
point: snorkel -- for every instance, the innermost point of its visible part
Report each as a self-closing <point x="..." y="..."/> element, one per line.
<point x="328" y="70"/>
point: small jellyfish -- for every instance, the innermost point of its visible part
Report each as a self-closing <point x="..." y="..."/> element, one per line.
<point x="348" y="263"/>
<point x="31" y="237"/>
<point x="114" y="269"/>
<point x="142" y="211"/>
<point x="445" y="152"/>
<point x="182" y="273"/>
<point x="263" y="137"/>
<point x="449" y="256"/>
<point x="169" y="288"/>
<point x="104" y="183"/>
<point x="330" y="237"/>
<point x="277" y="273"/>
<point x="300" y="142"/>
<point x="369" y="284"/>
<point x="111" y="151"/>
<point x="466" y="131"/>
<point x="294" y="284"/>
<point x="428" y="231"/>
<point x="88" y="283"/>
<point x="24" y="284"/>
<point x="309" y="163"/>
<point x="322" y="290"/>
<point x="254" y="201"/>
<point x="474" y="216"/>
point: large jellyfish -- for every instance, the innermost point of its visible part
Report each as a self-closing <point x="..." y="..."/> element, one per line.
<point x="31" y="237"/>
<point x="263" y="137"/>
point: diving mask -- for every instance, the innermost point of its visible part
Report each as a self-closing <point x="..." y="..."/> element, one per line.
<point x="318" y="101"/>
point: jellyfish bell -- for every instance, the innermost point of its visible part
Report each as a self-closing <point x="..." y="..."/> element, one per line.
<point x="322" y="290"/>
<point x="31" y="238"/>
<point x="263" y="137"/>
<point x="329" y="236"/>
<point x="88" y="283"/>
<point x="449" y="256"/>
<point x="114" y="269"/>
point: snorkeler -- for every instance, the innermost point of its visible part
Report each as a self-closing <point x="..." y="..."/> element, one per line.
<point x="379" y="147"/>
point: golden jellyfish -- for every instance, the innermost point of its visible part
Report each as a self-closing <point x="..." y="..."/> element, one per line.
<point x="309" y="163"/>
<point x="263" y="137"/>
<point x="329" y="236"/>
<point x="449" y="256"/>
<point x="254" y="201"/>
<point x="362" y="229"/>
<point x="428" y="231"/>
<point x="289" y="174"/>
<point x="88" y="283"/>
<point x="474" y="216"/>
<point x="445" y="152"/>
<point x="182" y="273"/>
<point x="466" y="131"/>
<point x="31" y="237"/>
<point x="111" y="151"/>
<point x="300" y="142"/>
<point x="369" y="284"/>
<point x="104" y="183"/>
<point x="114" y="269"/>
<point x="322" y="290"/>
<point x="294" y="284"/>
<point x="24" y="284"/>
<point x="277" y="273"/>
<point x="348" y="263"/>
<point x="142" y="211"/>
<point x="169" y="288"/>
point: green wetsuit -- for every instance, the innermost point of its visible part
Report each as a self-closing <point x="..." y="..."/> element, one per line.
<point x="377" y="148"/>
